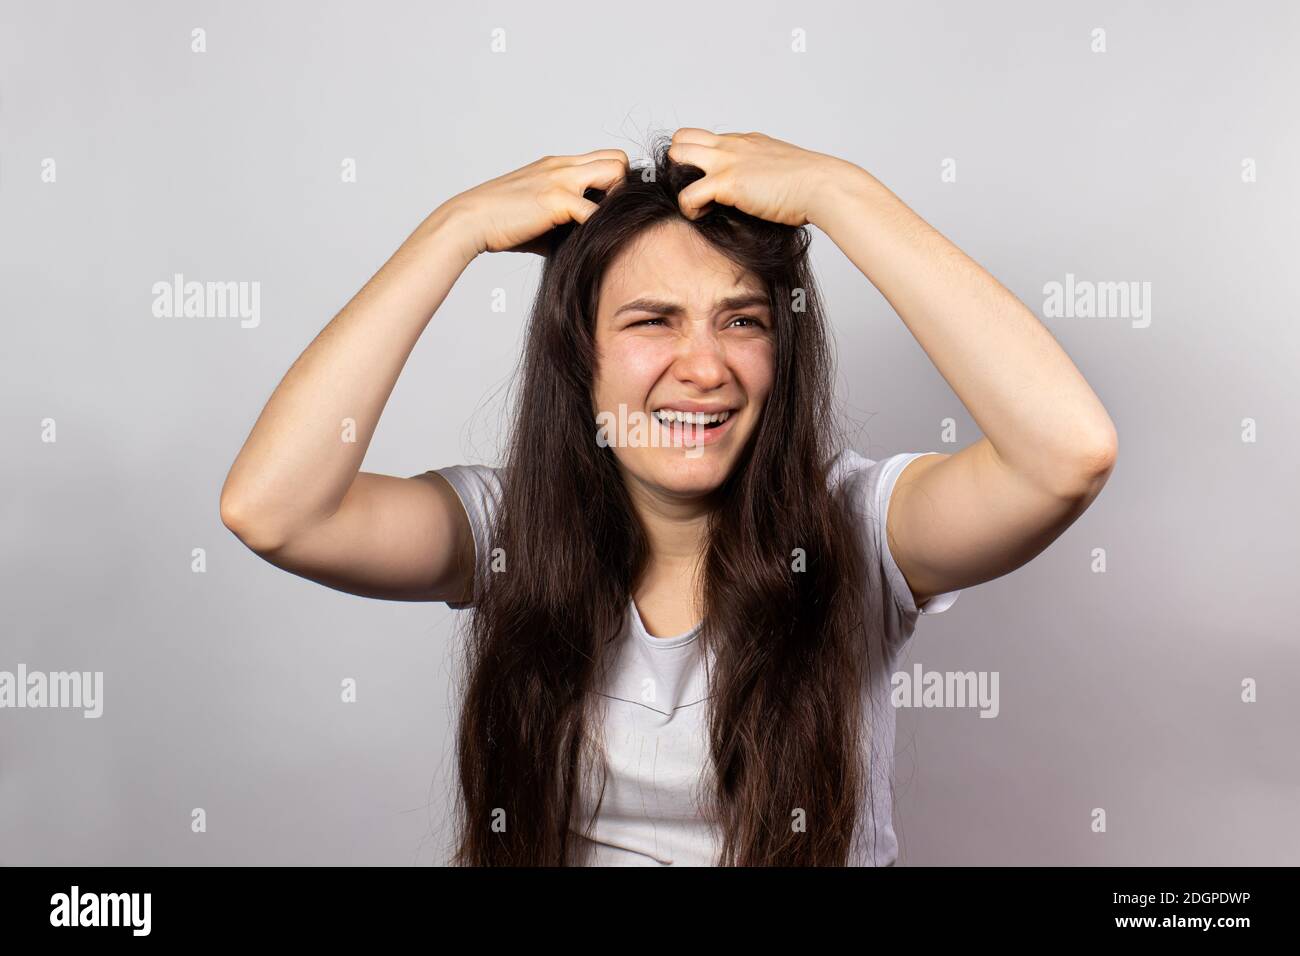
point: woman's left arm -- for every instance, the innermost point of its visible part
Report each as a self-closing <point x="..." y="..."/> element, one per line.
<point x="1049" y="446"/>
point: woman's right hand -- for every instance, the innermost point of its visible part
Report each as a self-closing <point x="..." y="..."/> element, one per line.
<point x="513" y="212"/>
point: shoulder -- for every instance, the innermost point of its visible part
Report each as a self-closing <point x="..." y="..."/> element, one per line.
<point x="477" y="486"/>
<point x="868" y="486"/>
<point x="479" y="489"/>
<point x="868" y="481"/>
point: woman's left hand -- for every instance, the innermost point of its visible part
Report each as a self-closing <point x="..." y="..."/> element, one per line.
<point x="759" y="175"/>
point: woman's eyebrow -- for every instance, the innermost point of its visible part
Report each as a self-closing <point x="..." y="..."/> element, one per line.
<point x="664" y="307"/>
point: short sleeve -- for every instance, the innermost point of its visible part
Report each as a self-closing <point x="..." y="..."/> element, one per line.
<point x="479" y="490"/>
<point x="870" y="485"/>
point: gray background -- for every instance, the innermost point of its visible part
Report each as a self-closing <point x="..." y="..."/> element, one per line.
<point x="1118" y="690"/>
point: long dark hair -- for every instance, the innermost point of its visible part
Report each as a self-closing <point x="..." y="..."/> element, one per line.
<point x="783" y="584"/>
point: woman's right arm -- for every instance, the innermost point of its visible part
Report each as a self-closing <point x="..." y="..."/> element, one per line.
<point x="295" y="494"/>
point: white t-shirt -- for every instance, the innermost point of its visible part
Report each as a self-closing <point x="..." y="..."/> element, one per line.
<point x="653" y="707"/>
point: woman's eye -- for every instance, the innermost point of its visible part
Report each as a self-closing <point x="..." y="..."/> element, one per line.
<point x="751" y="320"/>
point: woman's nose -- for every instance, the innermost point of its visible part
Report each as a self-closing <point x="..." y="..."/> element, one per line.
<point x="701" y="361"/>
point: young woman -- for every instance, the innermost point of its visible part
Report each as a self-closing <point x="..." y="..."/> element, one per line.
<point x="685" y="616"/>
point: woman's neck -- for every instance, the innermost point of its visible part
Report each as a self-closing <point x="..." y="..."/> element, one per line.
<point x="669" y="591"/>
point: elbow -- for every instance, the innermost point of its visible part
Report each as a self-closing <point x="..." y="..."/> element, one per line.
<point x="257" y="534"/>
<point x="1092" y="464"/>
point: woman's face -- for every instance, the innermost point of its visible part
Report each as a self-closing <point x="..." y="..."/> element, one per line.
<point x="680" y="329"/>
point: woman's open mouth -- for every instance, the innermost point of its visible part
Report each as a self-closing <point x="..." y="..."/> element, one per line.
<point x="685" y="429"/>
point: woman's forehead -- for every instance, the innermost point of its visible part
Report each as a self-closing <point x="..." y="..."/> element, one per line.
<point x="675" y="265"/>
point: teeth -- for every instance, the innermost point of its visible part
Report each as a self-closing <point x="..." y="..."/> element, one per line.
<point x="691" y="418"/>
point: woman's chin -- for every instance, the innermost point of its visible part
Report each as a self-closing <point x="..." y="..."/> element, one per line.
<point x="689" y="477"/>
